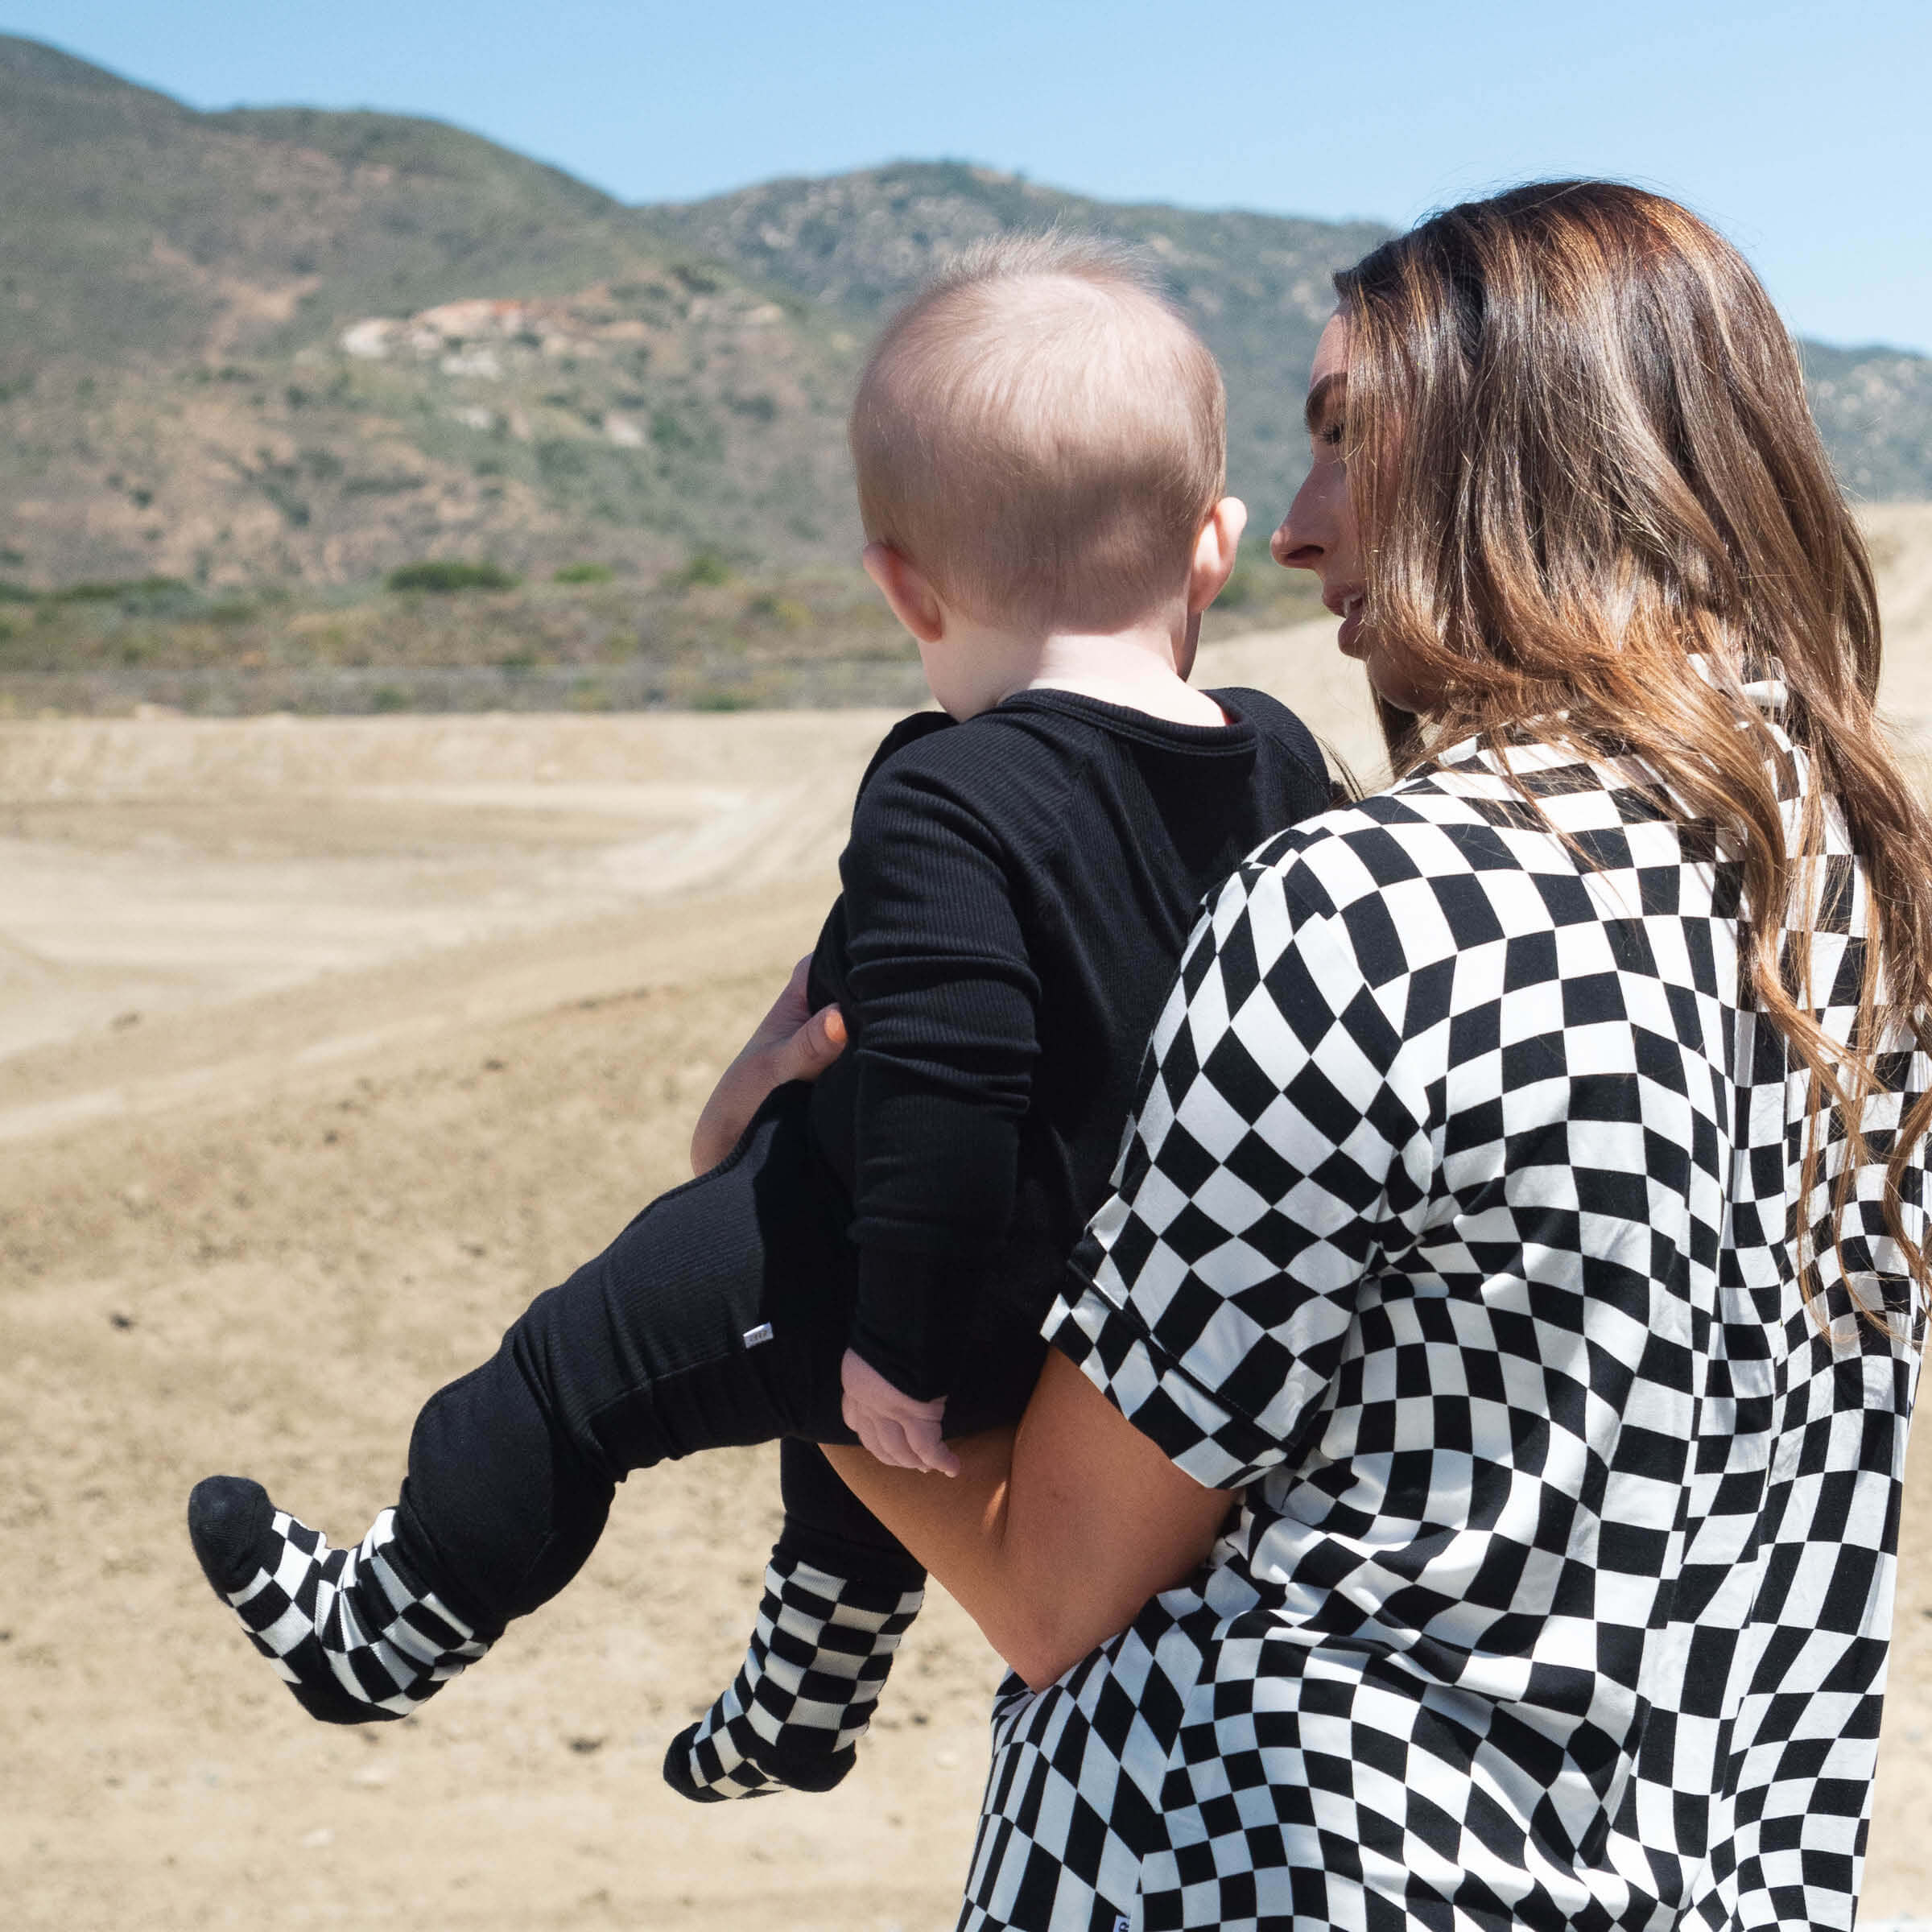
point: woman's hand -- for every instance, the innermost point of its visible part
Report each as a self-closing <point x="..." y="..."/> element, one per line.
<point x="791" y="1042"/>
<point x="903" y="1433"/>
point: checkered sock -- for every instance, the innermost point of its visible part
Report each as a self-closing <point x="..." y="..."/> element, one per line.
<point x="796" y="1711"/>
<point x="353" y="1636"/>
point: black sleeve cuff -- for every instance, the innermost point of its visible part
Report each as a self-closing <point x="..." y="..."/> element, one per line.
<point x="914" y="1312"/>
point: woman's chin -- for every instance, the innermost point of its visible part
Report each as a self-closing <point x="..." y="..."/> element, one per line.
<point x="1391" y="684"/>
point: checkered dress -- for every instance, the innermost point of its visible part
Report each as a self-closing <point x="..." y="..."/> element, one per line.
<point x="1454" y="1230"/>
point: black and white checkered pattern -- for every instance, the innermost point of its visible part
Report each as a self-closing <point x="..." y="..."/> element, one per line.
<point x="1456" y="1227"/>
<point x="804" y="1696"/>
<point x="346" y="1624"/>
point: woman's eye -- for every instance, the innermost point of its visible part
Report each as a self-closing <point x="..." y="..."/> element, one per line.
<point x="1330" y="437"/>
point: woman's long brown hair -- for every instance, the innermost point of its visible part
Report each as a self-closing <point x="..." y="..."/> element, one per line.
<point x="1581" y="458"/>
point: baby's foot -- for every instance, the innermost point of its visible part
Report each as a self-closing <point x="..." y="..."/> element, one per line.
<point x="711" y="1760"/>
<point x="355" y="1640"/>
<point x="804" y="1697"/>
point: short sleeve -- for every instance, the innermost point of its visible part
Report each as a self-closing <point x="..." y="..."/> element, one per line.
<point x="1277" y="1144"/>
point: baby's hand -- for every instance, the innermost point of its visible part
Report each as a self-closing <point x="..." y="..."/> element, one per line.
<point x="896" y="1428"/>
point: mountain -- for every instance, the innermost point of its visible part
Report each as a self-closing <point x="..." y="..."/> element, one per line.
<point x="1875" y="408"/>
<point x="287" y="345"/>
<point x="185" y="390"/>
<point x="1257" y="287"/>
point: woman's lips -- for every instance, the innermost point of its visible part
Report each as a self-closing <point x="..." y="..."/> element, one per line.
<point x="1349" y="637"/>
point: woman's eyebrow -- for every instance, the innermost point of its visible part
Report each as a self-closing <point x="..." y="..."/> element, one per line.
<point x="1322" y="396"/>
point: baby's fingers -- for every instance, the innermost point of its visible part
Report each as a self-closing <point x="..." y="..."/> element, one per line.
<point x="923" y="1439"/>
<point x="895" y="1447"/>
<point x="882" y="1437"/>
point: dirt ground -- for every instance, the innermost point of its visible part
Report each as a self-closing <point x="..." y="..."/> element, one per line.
<point x="322" y="1046"/>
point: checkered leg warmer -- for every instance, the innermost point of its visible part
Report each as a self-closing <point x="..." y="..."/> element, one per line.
<point x="804" y="1697"/>
<point x="354" y="1637"/>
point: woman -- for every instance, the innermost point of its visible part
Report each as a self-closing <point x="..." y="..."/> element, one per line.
<point x="1497" y="1352"/>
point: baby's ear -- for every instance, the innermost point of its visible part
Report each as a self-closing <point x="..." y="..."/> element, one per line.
<point x="1215" y="550"/>
<point x="908" y="590"/>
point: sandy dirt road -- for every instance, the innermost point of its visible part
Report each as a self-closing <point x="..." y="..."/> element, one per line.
<point x="323" y="1046"/>
<point x="283" y="1145"/>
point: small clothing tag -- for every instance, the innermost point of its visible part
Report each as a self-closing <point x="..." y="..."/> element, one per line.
<point x="762" y="1333"/>
<point x="1123" y="1924"/>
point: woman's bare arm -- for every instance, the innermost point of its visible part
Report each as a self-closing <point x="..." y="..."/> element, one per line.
<point x="1054" y="1535"/>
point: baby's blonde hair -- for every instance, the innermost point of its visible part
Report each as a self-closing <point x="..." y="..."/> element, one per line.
<point x="1041" y="432"/>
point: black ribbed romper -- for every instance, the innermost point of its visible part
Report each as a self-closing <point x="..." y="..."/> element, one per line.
<point x="1016" y="892"/>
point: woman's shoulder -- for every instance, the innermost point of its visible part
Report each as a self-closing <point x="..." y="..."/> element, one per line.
<point x="1381" y="839"/>
<point x="1466" y="810"/>
<point x="1462" y="852"/>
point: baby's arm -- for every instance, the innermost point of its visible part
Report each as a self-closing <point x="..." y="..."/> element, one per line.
<point x="943" y="1000"/>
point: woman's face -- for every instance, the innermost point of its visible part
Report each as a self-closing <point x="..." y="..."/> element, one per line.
<point x="1319" y="532"/>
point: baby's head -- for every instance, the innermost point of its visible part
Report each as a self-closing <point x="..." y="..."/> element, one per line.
<point x="1043" y="437"/>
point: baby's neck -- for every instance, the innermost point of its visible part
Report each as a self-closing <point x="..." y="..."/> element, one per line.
<point x="1133" y="669"/>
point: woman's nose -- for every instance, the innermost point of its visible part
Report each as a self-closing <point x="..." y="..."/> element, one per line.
<point x="1288" y="553"/>
<point x="1298" y="544"/>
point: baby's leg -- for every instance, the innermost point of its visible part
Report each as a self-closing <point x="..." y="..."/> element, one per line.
<point x="673" y="1340"/>
<point x="840" y="1591"/>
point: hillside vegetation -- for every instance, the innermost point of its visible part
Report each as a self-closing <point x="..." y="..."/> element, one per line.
<point x="270" y="356"/>
<point x="460" y="636"/>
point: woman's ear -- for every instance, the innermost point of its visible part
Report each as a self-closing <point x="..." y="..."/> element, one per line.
<point x="1215" y="550"/>
<point x="908" y="590"/>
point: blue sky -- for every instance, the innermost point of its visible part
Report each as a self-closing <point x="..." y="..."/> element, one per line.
<point x="1804" y="131"/>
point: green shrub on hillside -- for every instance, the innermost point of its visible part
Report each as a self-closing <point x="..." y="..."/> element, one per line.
<point x="582" y="573"/>
<point x="120" y="590"/>
<point x="444" y="575"/>
<point x="787" y="613"/>
<point x="705" y="567"/>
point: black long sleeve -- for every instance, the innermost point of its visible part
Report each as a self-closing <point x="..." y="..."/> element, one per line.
<point x="1016" y="892"/>
<point x="938" y="968"/>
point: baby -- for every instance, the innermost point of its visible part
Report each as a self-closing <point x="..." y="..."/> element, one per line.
<point x="1040" y="440"/>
